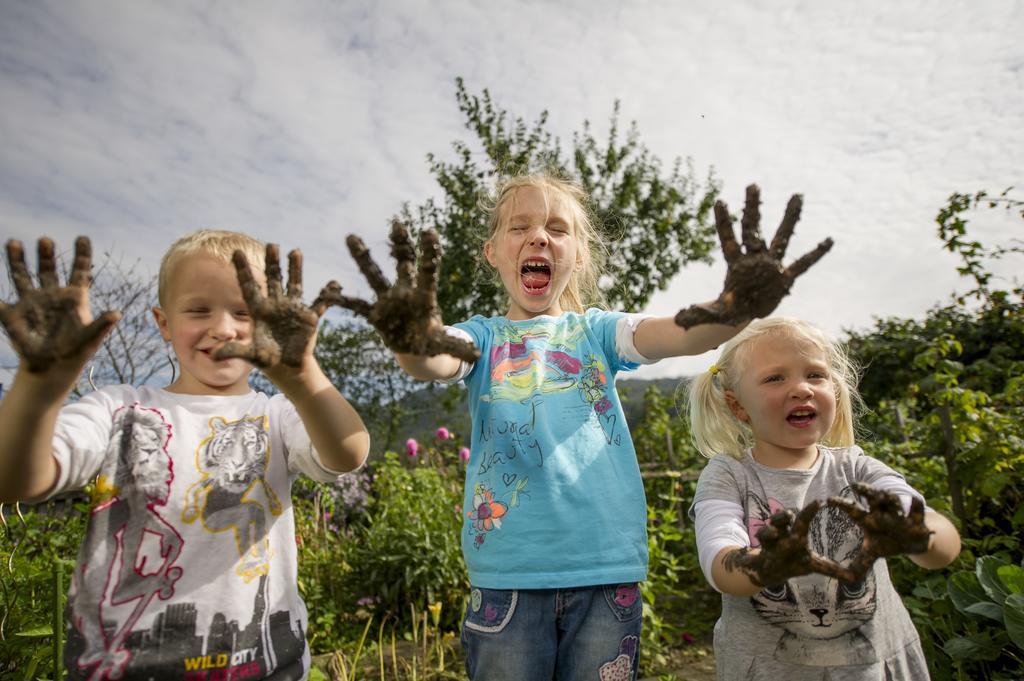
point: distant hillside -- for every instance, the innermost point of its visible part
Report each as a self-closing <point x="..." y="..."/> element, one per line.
<point x="435" y="405"/>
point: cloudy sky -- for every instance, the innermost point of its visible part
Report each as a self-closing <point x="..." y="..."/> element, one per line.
<point x="133" y="122"/>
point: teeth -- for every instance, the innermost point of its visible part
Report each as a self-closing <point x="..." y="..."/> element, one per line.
<point x="801" y="412"/>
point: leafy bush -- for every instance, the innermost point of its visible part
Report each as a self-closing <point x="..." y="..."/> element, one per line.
<point x="406" y="552"/>
<point x="993" y="596"/>
<point x="33" y="548"/>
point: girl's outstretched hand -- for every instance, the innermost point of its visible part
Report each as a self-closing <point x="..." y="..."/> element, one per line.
<point x="51" y="323"/>
<point x="406" y="314"/>
<point x="283" y="327"/>
<point x="887" y="530"/>
<point x="756" y="281"/>
<point x="784" y="551"/>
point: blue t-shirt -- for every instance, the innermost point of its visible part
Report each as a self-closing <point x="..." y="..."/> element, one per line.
<point x="553" y="495"/>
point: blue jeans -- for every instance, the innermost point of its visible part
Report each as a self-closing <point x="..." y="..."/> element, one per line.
<point x="590" y="633"/>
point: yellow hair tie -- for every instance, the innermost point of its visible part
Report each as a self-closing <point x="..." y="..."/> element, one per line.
<point x="714" y="370"/>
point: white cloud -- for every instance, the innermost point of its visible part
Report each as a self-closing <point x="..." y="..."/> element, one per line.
<point x="302" y="122"/>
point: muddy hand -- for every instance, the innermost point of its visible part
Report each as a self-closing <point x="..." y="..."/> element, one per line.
<point x="887" y="530"/>
<point x="51" y="322"/>
<point x="282" y="324"/>
<point x="756" y="281"/>
<point x="406" y="314"/>
<point x="784" y="552"/>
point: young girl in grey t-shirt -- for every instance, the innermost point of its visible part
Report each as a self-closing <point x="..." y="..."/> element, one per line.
<point x="802" y="594"/>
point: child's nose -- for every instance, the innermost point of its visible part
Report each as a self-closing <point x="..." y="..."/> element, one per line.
<point x="225" y="327"/>
<point x="538" y="237"/>
<point x="802" y="389"/>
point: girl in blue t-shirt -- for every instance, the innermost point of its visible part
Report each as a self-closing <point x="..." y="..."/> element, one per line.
<point x="554" y="531"/>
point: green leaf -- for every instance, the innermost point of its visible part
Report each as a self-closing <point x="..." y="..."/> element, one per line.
<point x="965" y="591"/>
<point x="987" y="568"/>
<point x="973" y="647"/>
<point x="1012" y="577"/>
<point x="986" y="609"/>
<point x="1013" y="610"/>
<point x="932" y="589"/>
<point x="43" y="630"/>
<point x="992" y="485"/>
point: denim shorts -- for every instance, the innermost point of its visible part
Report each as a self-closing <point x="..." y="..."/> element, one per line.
<point x="588" y="633"/>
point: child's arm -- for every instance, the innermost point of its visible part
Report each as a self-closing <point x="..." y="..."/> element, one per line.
<point x="755" y="284"/>
<point x="944" y="545"/>
<point x="284" y="335"/>
<point x="426" y="368"/>
<point x="406" y="314"/>
<point x="52" y="329"/>
<point x="730" y="580"/>
<point x="660" y="337"/>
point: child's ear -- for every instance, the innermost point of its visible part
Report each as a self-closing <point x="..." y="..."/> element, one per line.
<point x="161" y="323"/>
<point x="735" y="407"/>
<point x="489" y="253"/>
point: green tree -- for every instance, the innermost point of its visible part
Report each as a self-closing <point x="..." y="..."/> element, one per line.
<point x="946" y="400"/>
<point x="657" y="220"/>
<point x="951" y="381"/>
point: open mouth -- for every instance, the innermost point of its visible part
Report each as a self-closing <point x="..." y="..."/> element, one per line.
<point x="801" y="417"/>
<point x="536" y="276"/>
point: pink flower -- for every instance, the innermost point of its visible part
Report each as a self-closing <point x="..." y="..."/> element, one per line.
<point x="411" y="447"/>
<point x="443" y="434"/>
<point x="464" y="453"/>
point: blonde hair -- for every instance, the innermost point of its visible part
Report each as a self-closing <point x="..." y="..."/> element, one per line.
<point x="582" y="290"/>
<point x="220" y="244"/>
<point x="715" y="429"/>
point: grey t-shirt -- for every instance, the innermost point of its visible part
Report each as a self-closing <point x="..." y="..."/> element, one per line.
<point x="813" y="628"/>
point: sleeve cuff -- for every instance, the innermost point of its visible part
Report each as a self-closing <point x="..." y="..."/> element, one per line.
<point x="464" y="366"/>
<point x="625" y="329"/>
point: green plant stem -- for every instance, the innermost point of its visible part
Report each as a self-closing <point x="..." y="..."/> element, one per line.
<point x="58" y="620"/>
<point x="359" y="649"/>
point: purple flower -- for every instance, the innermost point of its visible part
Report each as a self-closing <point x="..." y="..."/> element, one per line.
<point x="443" y="434"/>
<point x="464" y="453"/>
<point x="411" y="447"/>
<point x="366" y="600"/>
<point x="352" y="491"/>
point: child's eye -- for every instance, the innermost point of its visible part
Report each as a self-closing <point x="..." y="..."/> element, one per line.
<point x="772" y="379"/>
<point x="197" y="310"/>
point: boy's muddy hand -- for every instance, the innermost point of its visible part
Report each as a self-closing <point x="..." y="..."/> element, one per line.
<point x="406" y="314"/>
<point x="887" y="530"/>
<point x="283" y="326"/>
<point x="784" y="551"/>
<point x="756" y="281"/>
<point x="50" y="323"/>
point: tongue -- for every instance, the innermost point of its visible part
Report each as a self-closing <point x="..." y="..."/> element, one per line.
<point x="536" y="279"/>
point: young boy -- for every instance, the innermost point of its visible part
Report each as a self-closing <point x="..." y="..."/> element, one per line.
<point x="188" y="568"/>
